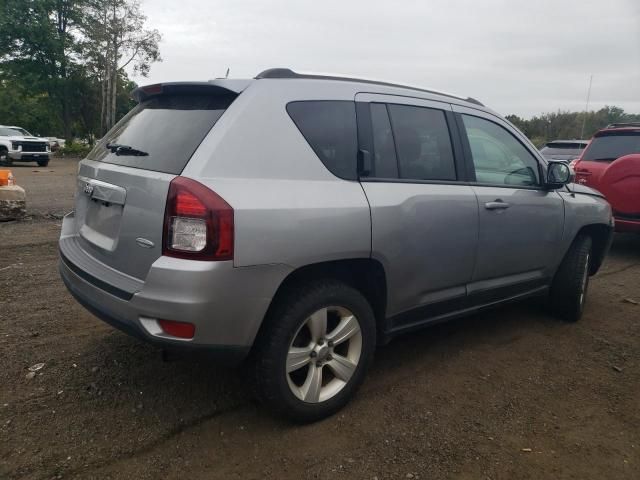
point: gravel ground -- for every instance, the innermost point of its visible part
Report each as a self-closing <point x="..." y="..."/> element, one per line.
<point x="508" y="394"/>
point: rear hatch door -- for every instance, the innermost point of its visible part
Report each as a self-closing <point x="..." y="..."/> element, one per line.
<point x="604" y="149"/>
<point x="123" y="183"/>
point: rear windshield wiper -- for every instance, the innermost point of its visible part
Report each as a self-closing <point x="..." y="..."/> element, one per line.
<point x="125" y="150"/>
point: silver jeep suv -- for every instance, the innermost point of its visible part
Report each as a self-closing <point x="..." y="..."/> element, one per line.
<point x="297" y="221"/>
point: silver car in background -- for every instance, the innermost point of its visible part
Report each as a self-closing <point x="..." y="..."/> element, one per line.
<point x="297" y="221"/>
<point x="564" y="150"/>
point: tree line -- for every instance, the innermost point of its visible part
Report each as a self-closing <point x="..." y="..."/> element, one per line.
<point x="62" y="63"/>
<point x="62" y="71"/>
<point x="569" y="125"/>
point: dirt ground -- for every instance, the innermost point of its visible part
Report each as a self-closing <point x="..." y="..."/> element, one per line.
<point x="49" y="189"/>
<point x="508" y="394"/>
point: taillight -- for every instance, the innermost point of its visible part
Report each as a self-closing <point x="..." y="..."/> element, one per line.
<point x="198" y="223"/>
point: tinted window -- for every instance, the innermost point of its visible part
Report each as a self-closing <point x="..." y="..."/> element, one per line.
<point x="497" y="156"/>
<point x="330" y="129"/>
<point x="422" y="143"/>
<point x="169" y="128"/>
<point x="385" y="163"/>
<point x="566" y="145"/>
<point x="550" y="151"/>
<point x="610" y="147"/>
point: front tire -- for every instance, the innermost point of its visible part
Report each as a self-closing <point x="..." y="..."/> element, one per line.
<point x="314" y="352"/>
<point x="43" y="163"/>
<point x="571" y="282"/>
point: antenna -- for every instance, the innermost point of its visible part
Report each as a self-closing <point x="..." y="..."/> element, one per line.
<point x="227" y="75"/>
<point x="586" y="108"/>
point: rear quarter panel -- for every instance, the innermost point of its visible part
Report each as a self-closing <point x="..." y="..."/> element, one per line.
<point x="288" y="208"/>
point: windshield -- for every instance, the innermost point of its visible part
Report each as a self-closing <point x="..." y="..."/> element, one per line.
<point x="610" y="147"/>
<point x="13" y="132"/>
<point x="161" y="133"/>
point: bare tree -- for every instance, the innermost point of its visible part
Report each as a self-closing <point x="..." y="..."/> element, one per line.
<point x="115" y="38"/>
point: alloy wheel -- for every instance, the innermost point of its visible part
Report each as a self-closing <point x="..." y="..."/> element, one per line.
<point x="324" y="354"/>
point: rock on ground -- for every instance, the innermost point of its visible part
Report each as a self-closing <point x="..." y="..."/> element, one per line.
<point x="13" y="203"/>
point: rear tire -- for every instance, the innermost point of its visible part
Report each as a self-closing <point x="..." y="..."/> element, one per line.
<point x="4" y="157"/>
<point x="314" y="351"/>
<point x="43" y="163"/>
<point x="571" y="282"/>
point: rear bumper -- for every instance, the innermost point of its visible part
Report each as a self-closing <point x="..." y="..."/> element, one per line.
<point x="226" y="304"/>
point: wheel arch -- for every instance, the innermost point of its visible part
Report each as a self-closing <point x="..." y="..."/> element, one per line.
<point x="366" y="275"/>
<point x="601" y="236"/>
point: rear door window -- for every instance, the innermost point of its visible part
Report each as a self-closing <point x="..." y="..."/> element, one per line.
<point x="329" y="127"/>
<point x="167" y="128"/>
<point x="423" y="144"/>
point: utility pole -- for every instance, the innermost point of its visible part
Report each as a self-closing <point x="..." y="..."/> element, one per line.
<point x="586" y="108"/>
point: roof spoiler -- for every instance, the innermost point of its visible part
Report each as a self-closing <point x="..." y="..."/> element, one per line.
<point x="213" y="87"/>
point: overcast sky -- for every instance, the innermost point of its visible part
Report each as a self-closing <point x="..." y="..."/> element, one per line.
<point x="516" y="56"/>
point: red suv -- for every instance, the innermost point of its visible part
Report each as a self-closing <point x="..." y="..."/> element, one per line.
<point x="611" y="164"/>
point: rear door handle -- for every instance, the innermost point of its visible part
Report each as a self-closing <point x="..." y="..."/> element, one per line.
<point x="497" y="205"/>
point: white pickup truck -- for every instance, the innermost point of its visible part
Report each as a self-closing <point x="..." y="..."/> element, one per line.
<point x="18" y="145"/>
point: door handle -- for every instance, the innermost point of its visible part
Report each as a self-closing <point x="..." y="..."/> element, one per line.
<point x="497" y="205"/>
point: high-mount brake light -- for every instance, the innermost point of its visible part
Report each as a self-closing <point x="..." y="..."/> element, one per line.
<point x="152" y="89"/>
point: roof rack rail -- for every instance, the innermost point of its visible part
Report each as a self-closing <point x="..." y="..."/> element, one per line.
<point x="623" y="124"/>
<point x="288" y="73"/>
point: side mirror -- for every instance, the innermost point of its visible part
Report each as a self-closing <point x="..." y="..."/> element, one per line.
<point x="558" y="175"/>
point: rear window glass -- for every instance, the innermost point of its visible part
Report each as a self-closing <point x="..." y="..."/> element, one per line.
<point x="330" y="129"/>
<point x="565" y="145"/>
<point x="610" y="147"/>
<point x="169" y="128"/>
<point x="550" y="151"/>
